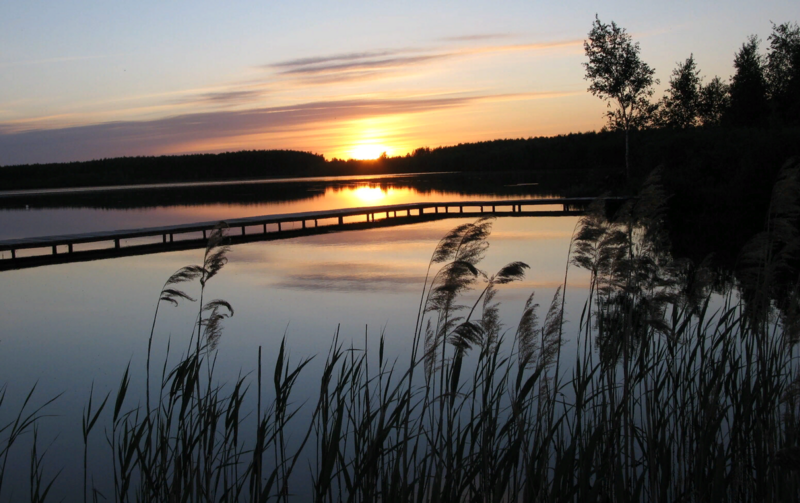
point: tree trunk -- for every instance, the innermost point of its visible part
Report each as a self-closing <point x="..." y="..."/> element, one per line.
<point x="627" y="157"/>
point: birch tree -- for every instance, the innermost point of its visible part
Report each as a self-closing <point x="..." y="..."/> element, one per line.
<point x="620" y="78"/>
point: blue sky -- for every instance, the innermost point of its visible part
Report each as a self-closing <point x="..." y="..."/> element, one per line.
<point x="89" y="79"/>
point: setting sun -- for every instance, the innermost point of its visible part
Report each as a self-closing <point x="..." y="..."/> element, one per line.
<point x="367" y="151"/>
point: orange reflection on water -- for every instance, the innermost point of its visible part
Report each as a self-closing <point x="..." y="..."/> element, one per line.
<point x="367" y="194"/>
<point x="346" y="194"/>
<point x="375" y="195"/>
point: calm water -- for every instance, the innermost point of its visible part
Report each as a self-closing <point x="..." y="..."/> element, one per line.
<point x="67" y="326"/>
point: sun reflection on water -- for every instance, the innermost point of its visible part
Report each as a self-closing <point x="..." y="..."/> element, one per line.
<point x="368" y="194"/>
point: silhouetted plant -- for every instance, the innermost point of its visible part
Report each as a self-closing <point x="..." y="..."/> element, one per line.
<point x="619" y="76"/>
<point x="680" y="108"/>
<point x="688" y="401"/>
<point x="748" y="89"/>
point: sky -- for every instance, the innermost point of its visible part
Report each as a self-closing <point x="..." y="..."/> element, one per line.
<point x="83" y="80"/>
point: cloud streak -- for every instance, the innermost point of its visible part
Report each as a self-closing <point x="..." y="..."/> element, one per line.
<point x="224" y="98"/>
<point x="353" y="56"/>
<point x="477" y="37"/>
<point x="370" y="65"/>
<point x="224" y="123"/>
<point x="170" y="134"/>
<point x="365" y="65"/>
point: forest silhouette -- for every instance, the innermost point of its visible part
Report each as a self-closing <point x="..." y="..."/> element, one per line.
<point x="665" y="398"/>
<point x="719" y="143"/>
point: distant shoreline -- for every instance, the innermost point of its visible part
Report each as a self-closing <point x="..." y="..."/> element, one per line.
<point x="219" y="183"/>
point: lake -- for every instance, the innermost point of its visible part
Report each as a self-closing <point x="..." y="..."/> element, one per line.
<point x="67" y="327"/>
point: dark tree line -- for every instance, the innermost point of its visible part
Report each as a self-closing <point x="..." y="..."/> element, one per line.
<point x="764" y="91"/>
<point x="163" y="169"/>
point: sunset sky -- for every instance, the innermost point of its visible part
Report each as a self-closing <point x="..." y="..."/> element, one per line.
<point x="84" y="79"/>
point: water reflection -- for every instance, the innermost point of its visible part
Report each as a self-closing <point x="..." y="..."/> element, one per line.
<point x="70" y="325"/>
<point x="137" y="209"/>
<point x="652" y="364"/>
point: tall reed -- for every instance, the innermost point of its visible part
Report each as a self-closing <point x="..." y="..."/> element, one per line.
<point x="673" y="393"/>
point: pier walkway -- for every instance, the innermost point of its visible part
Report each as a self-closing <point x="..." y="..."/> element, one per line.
<point x="33" y="252"/>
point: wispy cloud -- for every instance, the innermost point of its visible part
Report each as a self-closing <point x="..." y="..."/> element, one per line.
<point x="355" y="66"/>
<point x="233" y="116"/>
<point x="168" y="135"/>
<point x="386" y="63"/>
<point x="534" y="46"/>
<point x="224" y="98"/>
<point x="477" y="37"/>
<point x="353" y="56"/>
<point x="366" y="64"/>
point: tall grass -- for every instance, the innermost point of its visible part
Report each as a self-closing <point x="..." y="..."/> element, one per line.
<point x="672" y="394"/>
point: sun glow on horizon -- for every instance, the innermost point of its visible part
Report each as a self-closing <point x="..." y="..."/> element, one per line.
<point x="367" y="139"/>
<point x="367" y="151"/>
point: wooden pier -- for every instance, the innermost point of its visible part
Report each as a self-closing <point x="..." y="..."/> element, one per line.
<point x="33" y="252"/>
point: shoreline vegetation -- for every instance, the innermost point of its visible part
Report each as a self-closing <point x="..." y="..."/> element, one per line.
<point x="719" y="178"/>
<point x="761" y="100"/>
<point x="718" y="145"/>
<point x="704" y="148"/>
<point x="684" y="385"/>
<point x="665" y="399"/>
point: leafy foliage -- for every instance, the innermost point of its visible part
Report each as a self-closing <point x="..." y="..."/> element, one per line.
<point x="681" y="106"/>
<point x="783" y="72"/>
<point x="619" y="76"/>
<point x="748" y="86"/>
<point x="714" y="102"/>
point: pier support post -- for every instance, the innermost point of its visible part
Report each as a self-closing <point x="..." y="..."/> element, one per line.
<point x="265" y="228"/>
<point x="116" y="242"/>
<point x="13" y="253"/>
<point x="69" y="248"/>
<point x="341" y="220"/>
<point x="279" y="226"/>
<point x="315" y="223"/>
<point x="243" y="230"/>
<point x="493" y="210"/>
<point x="204" y="235"/>
<point x="304" y="224"/>
<point x="55" y="250"/>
